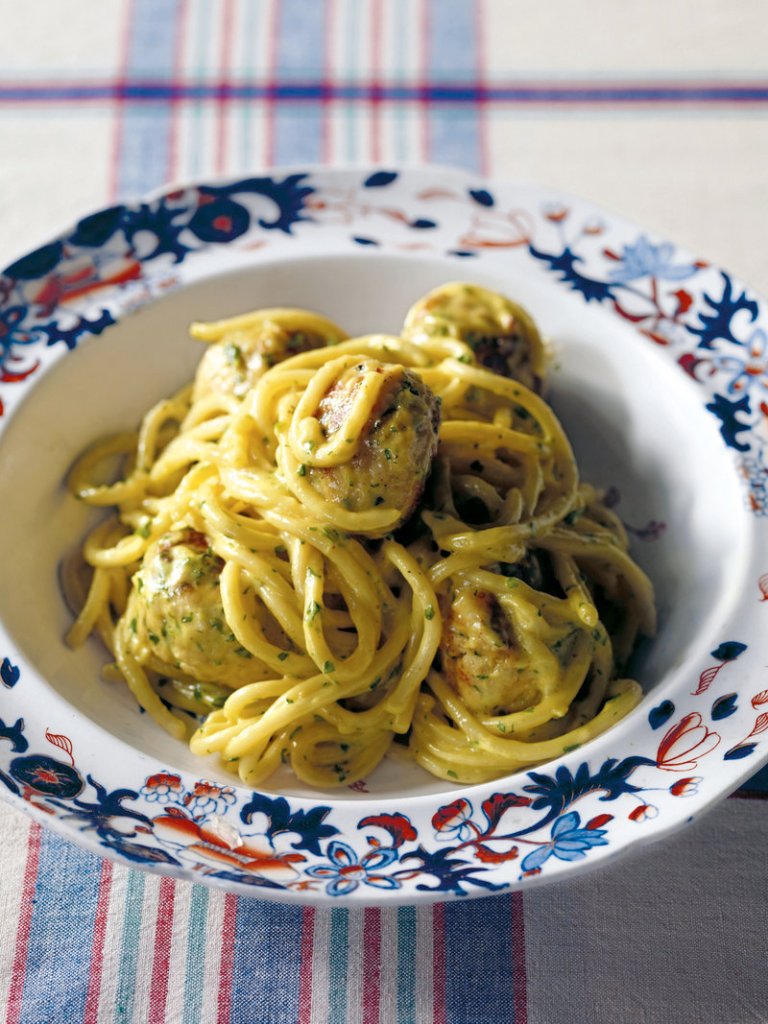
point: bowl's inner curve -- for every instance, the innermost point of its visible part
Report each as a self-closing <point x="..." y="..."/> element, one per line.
<point x="635" y="421"/>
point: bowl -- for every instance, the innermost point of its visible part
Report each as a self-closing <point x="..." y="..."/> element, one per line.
<point x="660" y="380"/>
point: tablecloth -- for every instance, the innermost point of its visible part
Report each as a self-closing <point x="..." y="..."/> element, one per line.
<point x="654" y="109"/>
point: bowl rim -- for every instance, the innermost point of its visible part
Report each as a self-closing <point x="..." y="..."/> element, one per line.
<point x="406" y="183"/>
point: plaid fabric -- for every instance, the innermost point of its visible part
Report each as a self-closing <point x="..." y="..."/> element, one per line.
<point x="657" y="110"/>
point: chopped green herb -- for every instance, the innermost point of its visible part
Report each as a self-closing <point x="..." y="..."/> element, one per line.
<point x="302" y="470"/>
<point x="234" y="354"/>
<point x="429" y="613"/>
<point x="282" y="655"/>
<point x="329" y="667"/>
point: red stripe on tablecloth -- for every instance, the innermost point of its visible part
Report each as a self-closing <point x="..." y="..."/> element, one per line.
<point x="225" y="57"/>
<point x="226" y="968"/>
<point x="16" y="993"/>
<point x="273" y="35"/>
<point x="158" y="991"/>
<point x="119" y="99"/>
<point x="326" y="138"/>
<point x="484" y="157"/>
<point x="178" y="64"/>
<point x="375" y="65"/>
<point x="371" y="964"/>
<point x="424" y="134"/>
<point x="519" y="978"/>
<point x="97" y="946"/>
<point x="305" y="968"/>
<point x="438" y="964"/>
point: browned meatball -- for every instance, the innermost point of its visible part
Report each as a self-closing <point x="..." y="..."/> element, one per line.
<point x="502" y="335"/>
<point x="481" y="657"/>
<point x="232" y="366"/>
<point x="243" y="348"/>
<point x="392" y="463"/>
<point x="176" y="614"/>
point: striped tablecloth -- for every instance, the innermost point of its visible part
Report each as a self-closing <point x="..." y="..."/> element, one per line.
<point x="653" y="109"/>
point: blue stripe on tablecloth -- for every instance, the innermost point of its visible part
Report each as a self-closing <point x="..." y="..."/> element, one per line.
<point x="61" y="934"/>
<point x="194" y="972"/>
<point x="265" y="978"/>
<point x="253" y="23"/>
<point x="400" y="26"/>
<point x="352" y="62"/>
<point x="194" y="155"/>
<point x="298" y="134"/>
<point x="153" y="35"/>
<point x="406" y="964"/>
<point x="337" y="974"/>
<point x="478" y="961"/>
<point x="147" y="90"/>
<point x="146" y="128"/>
<point x="301" y="42"/>
<point x="129" y="947"/>
<point x="454" y="139"/>
<point x="452" y="43"/>
<point x="300" y="54"/>
<point x="453" y="131"/>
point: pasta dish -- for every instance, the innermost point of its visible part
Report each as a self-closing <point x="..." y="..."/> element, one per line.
<point x="328" y="549"/>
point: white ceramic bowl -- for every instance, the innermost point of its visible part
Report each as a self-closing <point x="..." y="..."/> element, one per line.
<point x="659" y="379"/>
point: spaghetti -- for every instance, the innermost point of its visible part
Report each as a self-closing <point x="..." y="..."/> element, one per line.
<point x="328" y="549"/>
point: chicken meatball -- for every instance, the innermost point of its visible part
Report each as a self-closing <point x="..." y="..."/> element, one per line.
<point x="501" y="334"/>
<point x="399" y="441"/>
<point x="481" y="657"/>
<point x="492" y="657"/>
<point x="245" y="348"/>
<point x="176" y="613"/>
